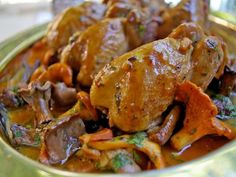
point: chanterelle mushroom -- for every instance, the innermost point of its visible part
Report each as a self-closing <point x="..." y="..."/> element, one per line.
<point x="200" y="119"/>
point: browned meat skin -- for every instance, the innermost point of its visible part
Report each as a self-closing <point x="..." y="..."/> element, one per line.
<point x="204" y="70"/>
<point x="131" y="82"/>
<point x="137" y="87"/>
<point x="61" y="139"/>
<point x="38" y="96"/>
<point x="190" y="30"/>
<point x="72" y="20"/>
<point x="121" y="8"/>
<point x="186" y="11"/>
<point x="162" y="135"/>
<point x="204" y="47"/>
<point x="96" y="47"/>
<point x="141" y="18"/>
<point x="141" y="26"/>
<point x="118" y="9"/>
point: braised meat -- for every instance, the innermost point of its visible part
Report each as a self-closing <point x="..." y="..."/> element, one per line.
<point x="153" y="71"/>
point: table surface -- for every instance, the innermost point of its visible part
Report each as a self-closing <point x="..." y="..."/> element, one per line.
<point x="18" y="17"/>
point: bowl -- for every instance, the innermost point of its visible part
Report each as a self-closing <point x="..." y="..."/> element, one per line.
<point x="219" y="163"/>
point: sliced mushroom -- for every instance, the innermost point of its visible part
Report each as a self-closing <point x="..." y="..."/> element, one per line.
<point x="57" y="72"/>
<point x="162" y="135"/>
<point x="63" y="95"/>
<point x="11" y="98"/>
<point x="61" y="139"/>
<point x="24" y="136"/>
<point x="83" y="108"/>
<point x="16" y="134"/>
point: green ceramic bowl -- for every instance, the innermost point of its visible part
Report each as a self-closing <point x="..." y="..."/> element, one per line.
<point x="220" y="163"/>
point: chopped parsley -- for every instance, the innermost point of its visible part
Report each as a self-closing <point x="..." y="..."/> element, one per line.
<point x="18" y="134"/>
<point x="15" y="89"/>
<point x="37" y="139"/>
<point x="120" y="160"/>
<point x="137" y="139"/>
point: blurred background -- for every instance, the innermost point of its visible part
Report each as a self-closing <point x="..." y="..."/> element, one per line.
<point x="18" y="15"/>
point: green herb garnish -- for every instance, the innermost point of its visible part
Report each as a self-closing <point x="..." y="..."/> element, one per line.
<point x="18" y="134"/>
<point x="120" y="160"/>
<point x="137" y="139"/>
<point x="37" y="139"/>
<point x="141" y="30"/>
<point x="226" y="109"/>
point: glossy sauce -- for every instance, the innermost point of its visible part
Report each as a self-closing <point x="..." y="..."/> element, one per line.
<point x="25" y="116"/>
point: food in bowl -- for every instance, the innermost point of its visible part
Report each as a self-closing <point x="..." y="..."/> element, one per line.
<point x="121" y="86"/>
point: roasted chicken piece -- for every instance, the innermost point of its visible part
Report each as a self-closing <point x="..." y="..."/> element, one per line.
<point x="147" y="74"/>
<point x="73" y="20"/>
<point x="137" y="87"/>
<point x="186" y="11"/>
<point x="141" y="18"/>
<point x="121" y="8"/>
<point x="94" y="48"/>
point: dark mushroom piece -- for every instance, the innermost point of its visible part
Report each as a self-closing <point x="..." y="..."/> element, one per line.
<point x="10" y="98"/>
<point x="186" y="11"/>
<point x="228" y="82"/>
<point x="63" y="95"/>
<point x="38" y="96"/>
<point x="5" y="124"/>
<point x="61" y="139"/>
<point x="24" y="136"/>
<point x="16" y="134"/>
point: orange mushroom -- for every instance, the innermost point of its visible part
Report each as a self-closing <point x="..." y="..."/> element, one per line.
<point x="200" y="118"/>
<point x="83" y="108"/>
<point x="136" y="141"/>
<point x="104" y="134"/>
<point x="37" y="73"/>
<point x="57" y="72"/>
